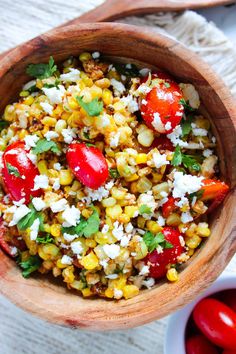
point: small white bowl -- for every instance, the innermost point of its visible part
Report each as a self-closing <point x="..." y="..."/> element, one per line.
<point x="175" y="333"/>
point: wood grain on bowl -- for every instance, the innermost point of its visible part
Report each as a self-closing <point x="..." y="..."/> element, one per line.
<point x="45" y="298"/>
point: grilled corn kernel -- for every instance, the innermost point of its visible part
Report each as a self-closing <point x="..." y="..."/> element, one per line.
<point x="109" y="293"/>
<point x="86" y="213"/>
<point x="85" y="57"/>
<point x="141" y="222"/>
<point x="73" y="104"/>
<point x="102" y="239"/>
<point x="56" y="230"/>
<point x="96" y="92"/>
<point x="131" y="211"/>
<point x="22" y="134"/>
<point x="48" y="251"/>
<point x="132" y="178"/>
<point x="159" y="188"/>
<point x="48" y="121"/>
<point x="193" y="242"/>
<point x="107" y="97"/>
<point x="42" y="166"/>
<point x="146" y="137"/>
<point x="86" y="292"/>
<point x="24" y="93"/>
<point x="90" y="261"/>
<point x="141" y="250"/>
<point x="153" y="226"/>
<point x="123" y="218"/>
<point x="114" y="212"/>
<point x="191" y="230"/>
<point x="141" y="158"/>
<point x="203" y="229"/>
<point x="60" y="125"/>
<point x="47" y="228"/>
<point x="68" y="274"/>
<point x="61" y="265"/>
<point x="130" y="291"/>
<point x="103" y="83"/>
<point x="108" y="202"/>
<point x="173" y="219"/>
<point x="172" y="275"/>
<point x="118" y="194"/>
<point x="66" y="177"/>
<point x="144" y="185"/>
<point x="29" y="100"/>
<point x="90" y="243"/>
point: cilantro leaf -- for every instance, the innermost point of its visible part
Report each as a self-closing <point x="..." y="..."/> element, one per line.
<point x="153" y="241"/>
<point x="30" y="265"/>
<point x="186" y="126"/>
<point x="177" y="158"/>
<point x="113" y="172"/>
<point x="186" y="105"/>
<point x="85" y="227"/>
<point x="3" y="124"/>
<point x="197" y="194"/>
<point x="12" y="170"/>
<point x="129" y="70"/>
<point x="93" y="108"/>
<point x="167" y="85"/>
<point x="75" y="230"/>
<point x="42" y="70"/>
<point x="43" y="145"/>
<point x="86" y="135"/>
<point x="29" y="218"/>
<point x="145" y="209"/>
<point x="45" y="239"/>
<point x="187" y="160"/>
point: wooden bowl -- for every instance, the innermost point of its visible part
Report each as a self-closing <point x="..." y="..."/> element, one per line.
<point x="51" y="301"/>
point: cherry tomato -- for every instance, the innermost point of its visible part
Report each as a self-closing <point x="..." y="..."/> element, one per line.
<point x="169" y="207"/>
<point x="8" y="241"/>
<point x="159" y="261"/>
<point x="214" y="189"/>
<point x="161" y="109"/>
<point x="217" y="322"/>
<point x="200" y="345"/>
<point x="162" y="143"/>
<point x="229" y="351"/>
<point x="88" y="164"/>
<point x="19" y="172"/>
<point x="229" y="298"/>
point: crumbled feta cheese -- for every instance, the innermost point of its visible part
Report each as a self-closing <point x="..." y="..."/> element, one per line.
<point x="199" y="132"/>
<point x="18" y="213"/>
<point x="54" y="94"/>
<point x="34" y="229"/>
<point x="186" y="217"/>
<point x="175" y="135"/>
<point x="93" y="195"/>
<point x="69" y="237"/>
<point x="66" y="260"/>
<point x="144" y="102"/>
<point x="56" y="184"/>
<point x="185" y="184"/>
<point x="114" y="141"/>
<point x="58" y="206"/>
<point x="159" y="249"/>
<point x="163" y="194"/>
<point x="207" y="153"/>
<point x="30" y="141"/>
<point x="118" y="87"/>
<point x="160" y="159"/>
<point x="105" y="120"/>
<point x="105" y="229"/>
<point x="19" y="202"/>
<point x="157" y="123"/>
<point x="104" y="263"/>
<point x="112" y="251"/>
<point x="68" y="135"/>
<point x="183" y="201"/>
<point x="72" y="76"/>
<point x="71" y="215"/>
<point x="181" y="240"/>
<point x="118" y="294"/>
<point x="161" y="221"/>
<point x="47" y="107"/>
<point x="95" y="55"/>
<point x="148" y="283"/>
<point x="147" y="200"/>
<point x="129" y="228"/>
<point x="38" y="203"/>
<point x="77" y="247"/>
<point x="51" y="135"/>
<point x="32" y="157"/>
<point x="118" y="230"/>
<point x="112" y="276"/>
<point x="131" y="103"/>
<point x="168" y="126"/>
<point x="143" y="89"/>
<point x="125" y="240"/>
<point x="13" y="251"/>
<point x="40" y="181"/>
<point x="57" y="166"/>
<point x="144" y="270"/>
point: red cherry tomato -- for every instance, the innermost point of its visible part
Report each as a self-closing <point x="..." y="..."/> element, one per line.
<point x="159" y="261"/>
<point x="88" y="164"/>
<point x="7" y="241"/>
<point x="217" y="322"/>
<point x="162" y="110"/>
<point x="19" y="172"/>
<point x="169" y="207"/>
<point x="214" y="190"/>
<point x="162" y="143"/>
<point x="229" y="351"/>
<point x="229" y="298"/>
<point x="198" y="344"/>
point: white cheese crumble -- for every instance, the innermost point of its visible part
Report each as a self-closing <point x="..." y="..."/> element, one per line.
<point x="112" y="276"/>
<point x="182" y="241"/>
<point x="18" y="213"/>
<point x="148" y="283"/>
<point x="68" y="135"/>
<point x="47" y="107"/>
<point x="105" y="120"/>
<point x="118" y="230"/>
<point x="129" y="228"/>
<point x="69" y="237"/>
<point x="72" y="76"/>
<point x="131" y="103"/>
<point x="71" y="215"/>
<point x="95" y="55"/>
<point x="30" y="141"/>
<point x="77" y="247"/>
<point x="118" y="294"/>
<point x="207" y="152"/>
<point x="51" y="135"/>
<point x="19" y="202"/>
<point x="57" y="166"/>
<point x="148" y="200"/>
<point x="144" y="270"/>
<point x="32" y="157"/>
<point x="58" y="206"/>
<point x="168" y="126"/>
<point x="161" y="221"/>
<point x="34" y="229"/>
<point x="185" y="184"/>
<point x="38" y="203"/>
<point x="186" y="217"/>
<point x="143" y="89"/>
<point x="112" y="251"/>
<point x="175" y="135"/>
<point x="183" y="201"/>
<point x="160" y="159"/>
<point x="40" y="181"/>
<point x="66" y="260"/>
<point x="157" y="123"/>
<point x="199" y="132"/>
<point x="28" y="85"/>
<point x="118" y="87"/>
<point x="93" y="195"/>
<point x="105" y="229"/>
<point x="56" y="184"/>
<point x="114" y="141"/>
<point x="54" y="94"/>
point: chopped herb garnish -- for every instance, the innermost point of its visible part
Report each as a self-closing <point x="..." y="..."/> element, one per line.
<point x="86" y="135"/>
<point x="42" y="70"/>
<point x="12" y="170"/>
<point x="29" y="219"/>
<point x="187" y="160"/>
<point x="89" y="144"/>
<point x="153" y="241"/>
<point x="3" y="124"/>
<point x="113" y="172"/>
<point x="129" y="70"/>
<point x="167" y="85"/>
<point x="55" y="84"/>
<point x="186" y="105"/>
<point x="177" y="158"/>
<point x="43" y="145"/>
<point x="45" y="239"/>
<point x="93" y="108"/>
<point x="145" y="209"/>
<point x="29" y="266"/>
<point x="186" y="125"/>
<point x="197" y="194"/>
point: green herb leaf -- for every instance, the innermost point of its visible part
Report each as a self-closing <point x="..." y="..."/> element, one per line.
<point x="28" y="219"/>
<point x="190" y="163"/>
<point x="167" y="85"/>
<point x="86" y="135"/>
<point x="93" y="223"/>
<point x="30" y="265"/>
<point x="3" y="124"/>
<point x="42" y="71"/>
<point x="45" y="239"/>
<point x="93" y="108"/>
<point x="186" y="126"/>
<point x="167" y="245"/>
<point x="197" y="194"/>
<point x="43" y="145"/>
<point x="55" y="84"/>
<point x="131" y="70"/>
<point x="12" y="170"/>
<point x="89" y="144"/>
<point x="75" y="230"/>
<point x="145" y="209"/>
<point x="177" y="158"/>
<point x="186" y="105"/>
<point x="113" y="172"/>
<point x="153" y="241"/>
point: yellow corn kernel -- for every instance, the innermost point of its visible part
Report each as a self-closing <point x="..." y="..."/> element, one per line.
<point x="190" y="252"/>
<point x="48" y="251"/>
<point x="65" y="177"/>
<point x="156" y="177"/>
<point x="24" y="93"/>
<point x="118" y="193"/>
<point x="48" y="121"/>
<point x="199" y="207"/>
<point x="56" y="230"/>
<point x="109" y="293"/>
<point x="65" y="116"/>
<point x="141" y="158"/>
<point x="56" y="271"/>
<point x="203" y="229"/>
<point x="86" y="292"/>
<point x="119" y="119"/>
<point x="182" y="228"/>
<point x="85" y="56"/>
<point x="173" y="219"/>
<point x="146" y="137"/>
<point x="132" y="178"/>
<point x="108" y="202"/>
<point x="96" y="92"/>
<point x="131" y="211"/>
<point x="193" y="242"/>
<point x="90" y="242"/>
<point x="75" y="186"/>
<point x="130" y="291"/>
<point x="42" y="166"/>
<point x="191" y="230"/>
<point x="123" y="218"/>
<point x="9" y="113"/>
<point x="47" y="228"/>
<point x="107" y="97"/>
<point x="25" y="255"/>
<point x="61" y="265"/>
<point x="22" y="134"/>
<point x="29" y="100"/>
<point x="103" y="83"/>
<point x="172" y="275"/>
<point x="114" y="212"/>
<point x="141" y="250"/>
<point x="153" y="226"/>
<point x="60" y="125"/>
<point x="144" y="185"/>
<point x="141" y="222"/>
<point x="202" y="123"/>
<point x="159" y="188"/>
<point x="90" y="261"/>
<point x="68" y="274"/>
<point x="73" y="104"/>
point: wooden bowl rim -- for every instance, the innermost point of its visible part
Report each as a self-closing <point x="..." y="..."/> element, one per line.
<point x="132" y="312"/>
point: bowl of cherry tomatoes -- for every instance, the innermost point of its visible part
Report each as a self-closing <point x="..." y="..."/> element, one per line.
<point x="207" y="325"/>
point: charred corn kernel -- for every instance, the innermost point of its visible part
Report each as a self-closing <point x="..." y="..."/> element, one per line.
<point x="96" y="92"/>
<point x="9" y="113"/>
<point x="141" y="158"/>
<point x="24" y="93"/>
<point x="42" y="166"/>
<point x="48" y="251"/>
<point x="203" y="123"/>
<point x="103" y="239"/>
<point x="141" y="250"/>
<point x="90" y="261"/>
<point x="86" y="213"/>
<point x="52" y="173"/>
<point x="125" y="133"/>
<point x="48" y="121"/>
<point x="157" y="177"/>
<point x="133" y="188"/>
<point x="191" y="230"/>
<point x="193" y="242"/>
<point x="107" y="97"/>
<point x="86" y="292"/>
<point x="114" y="212"/>
<point x="199" y="207"/>
<point x="173" y="219"/>
<point x="75" y="186"/>
<point x="159" y="188"/>
<point x="78" y="285"/>
<point x="144" y="185"/>
<point x="131" y="211"/>
<point x="153" y="226"/>
<point x="203" y="229"/>
<point x="131" y="178"/>
<point x="123" y="218"/>
<point x="61" y="265"/>
<point x="182" y="228"/>
<point x="25" y="255"/>
<point x="85" y="57"/>
<point x="2" y="144"/>
<point x="22" y="134"/>
<point x="109" y="293"/>
<point x="141" y="222"/>
<point x="56" y="272"/>
<point x="47" y="228"/>
<point x="119" y="106"/>
<point x="73" y="104"/>
<point x="65" y="177"/>
<point x="68" y="274"/>
<point x="172" y="275"/>
<point x="190" y="252"/>
<point x="55" y="230"/>
<point x="108" y="202"/>
<point x="103" y="83"/>
<point x="29" y="100"/>
<point x="118" y="193"/>
<point x="39" y="83"/>
<point x="65" y="116"/>
<point x="130" y="291"/>
<point x="60" y="125"/>
<point x="146" y="137"/>
<point x="119" y="119"/>
<point x="90" y="243"/>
